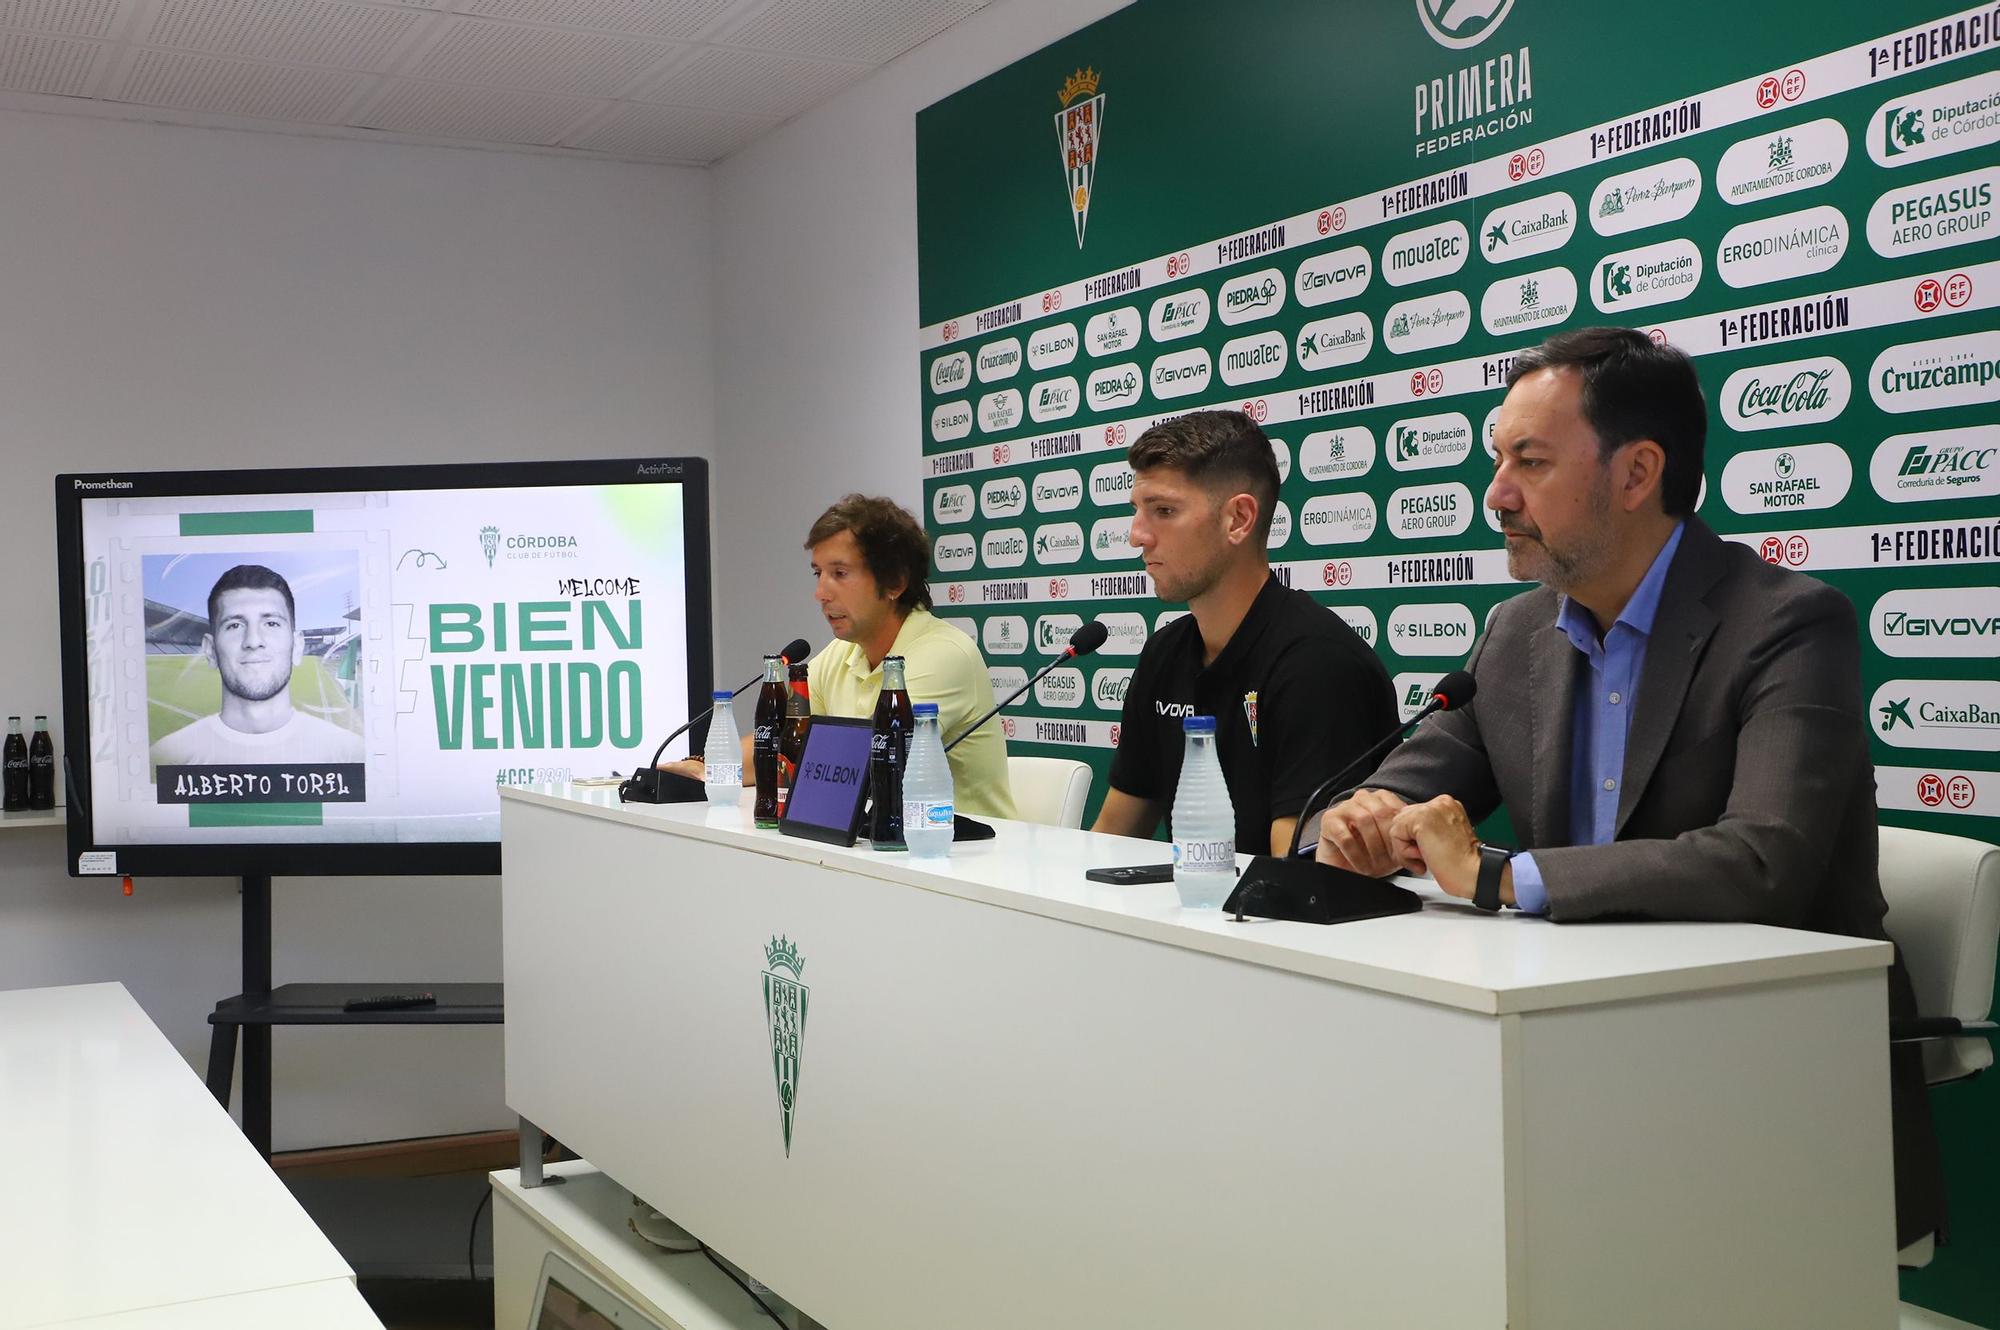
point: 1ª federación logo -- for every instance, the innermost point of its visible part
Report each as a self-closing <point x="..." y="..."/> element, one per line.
<point x="1462" y="24"/>
<point x="1079" y="131"/>
<point x="785" y="1015"/>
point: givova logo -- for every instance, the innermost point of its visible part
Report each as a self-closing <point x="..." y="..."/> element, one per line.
<point x="1112" y="331"/>
<point x="1337" y="519"/>
<point x="952" y="504"/>
<point x="1004" y="635"/>
<point x="1108" y="688"/>
<point x="1773" y="248"/>
<point x="1361" y="619"/>
<point x="1532" y="300"/>
<point x="1423" y="443"/>
<point x="954" y="553"/>
<point x="1005" y="547"/>
<point x="1000" y="411"/>
<point x="1956" y="622"/>
<point x="1940" y="464"/>
<point x="1462" y="24"/>
<point x="1340" y="340"/>
<point x="1419" y="512"/>
<point x="950" y="373"/>
<point x="1792" y="392"/>
<point x="1935" y="122"/>
<point x="1652" y="275"/>
<point x="1935" y="214"/>
<point x="1054" y="399"/>
<point x="1058" y="542"/>
<point x="1182" y="314"/>
<point x="1062" y="687"/>
<point x="1254" y="295"/>
<point x="1111" y="539"/>
<point x="1771" y="164"/>
<point x="1057" y="491"/>
<point x="1648" y="196"/>
<point x="1179" y="373"/>
<point x="1938" y="713"/>
<point x="1942" y="372"/>
<point x="1336" y="275"/>
<point x="1426" y="322"/>
<point x="1005" y="497"/>
<point x="1803" y="476"/>
<point x="1253" y="359"/>
<point x="1053" y="631"/>
<point x="1431" y="630"/>
<point x="1532" y="226"/>
<point x="1335" y="454"/>
<point x="951" y="420"/>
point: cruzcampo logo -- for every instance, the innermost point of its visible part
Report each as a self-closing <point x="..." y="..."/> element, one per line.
<point x="1079" y="130"/>
<point x="1902" y="130"/>
<point x="1462" y="24"/>
<point x="785" y="1014"/>
<point x="489" y="542"/>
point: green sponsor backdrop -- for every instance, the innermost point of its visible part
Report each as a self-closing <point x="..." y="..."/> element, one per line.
<point x="1345" y="219"/>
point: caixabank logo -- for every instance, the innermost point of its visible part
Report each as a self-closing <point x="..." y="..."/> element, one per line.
<point x="1938" y="713"/>
<point x="1079" y="133"/>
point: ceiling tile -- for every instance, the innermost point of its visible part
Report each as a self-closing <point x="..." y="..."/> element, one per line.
<point x="874" y="31"/>
<point x="538" y="59"/>
<point x="71" y="18"/>
<point x="309" y="32"/>
<point x="55" y="65"/>
<point x="496" y="115"/>
<point x="677" y="133"/>
<point x="755" y="81"/>
<point x="238" y="87"/>
<point x="651" y="18"/>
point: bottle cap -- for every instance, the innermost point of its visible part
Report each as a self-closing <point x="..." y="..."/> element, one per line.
<point x="721" y="695"/>
<point x="1198" y="725"/>
<point x="921" y="709"/>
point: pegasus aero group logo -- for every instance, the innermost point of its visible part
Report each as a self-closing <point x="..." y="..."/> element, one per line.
<point x="785" y="1016"/>
<point x="1460" y="25"/>
<point x="1079" y="130"/>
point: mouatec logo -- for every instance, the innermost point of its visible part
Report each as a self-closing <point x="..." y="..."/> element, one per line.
<point x="785" y="1000"/>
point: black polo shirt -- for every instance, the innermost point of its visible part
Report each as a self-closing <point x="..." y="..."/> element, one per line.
<point x="1296" y="695"/>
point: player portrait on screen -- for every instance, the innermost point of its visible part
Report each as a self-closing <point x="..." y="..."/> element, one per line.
<point x="262" y="687"/>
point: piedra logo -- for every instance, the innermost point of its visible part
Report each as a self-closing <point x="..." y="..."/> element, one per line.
<point x="785" y="1016"/>
<point x="1079" y="130"/>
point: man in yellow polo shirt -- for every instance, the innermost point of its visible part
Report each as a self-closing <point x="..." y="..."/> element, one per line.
<point x="870" y="558"/>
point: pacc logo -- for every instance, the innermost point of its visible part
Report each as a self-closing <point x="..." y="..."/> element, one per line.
<point x="1057" y="491"/>
<point x="1254" y="295"/>
<point x="1281" y="526"/>
<point x="1652" y="275"/>
<point x="1533" y="300"/>
<point x="1427" y="322"/>
<point x="1061" y="687"/>
<point x="1773" y="248"/>
<point x="1802" y="476"/>
<point x="1792" y="392"/>
<point x="1005" y="547"/>
<point x="951" y="420"/>
<point x="1111" y="539"/>
<point x="1000" y="360"/>
<point x="1337" y="519"/>
<point x="1532" y="226"/>
<point x="955" y="553"/>
<point x="1000" y="411"/>
<point x="952" y="504"/>
<point x="1108" y="688"/>
<point x="1112" y="331"/>
<point x="1007" y="497"/>
<point x="950" y="373"/>
<point x="1427" y="252"/>
<point x="1939" y="464"/>
<point x="1059" y="542"/>
<point x="1053" y="631"/>
<point x="1051" y="347"/>
<point x="1179" y="373"/>
<point x="1462" y="24"/>
<point x="1335" y="454"/>
<point x="1340" y="340"/>
<point x="1646" y="197"/>
<point x="1419" y="512"/>
<point x="1413" y="691"/>
<point x="1424" y="443"/>
<point x="1938" y="713"/>
<point x="1253" y="359"/>
<point x="1325" y="278"/>
<point x="1960" y="622"/>
<point x="1935" y="214"/>
<point x="1114" y="386"/>
<point x="1054" y="399"/>
<point x="1004" y="635"/>
<point x="1182" y="314"/>
<point x="1946" y="371"/>
<point x="1937" y="121"/>
<point x="1361" y="619"/>
<point x="1431" y="630"/>
<point x="1111" y="484"/>
<point x="1765" y="166"/>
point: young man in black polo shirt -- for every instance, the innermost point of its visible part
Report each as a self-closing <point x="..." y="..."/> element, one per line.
<point x="1296" y="694"/>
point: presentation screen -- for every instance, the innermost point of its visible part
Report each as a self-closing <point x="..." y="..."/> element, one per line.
<point x="333" y="670"/>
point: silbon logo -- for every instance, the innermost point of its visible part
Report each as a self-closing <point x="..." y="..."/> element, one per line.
<point x="1532" y="300"/>
<point x="1006" y="497"/>
<point x="952" y="504"/>
<point x="1423" y="443"/>
<point x="1114" y="386"/>
<point x="1254" y="295"/>
<point x="1054" y="399"/>
<point x="1340" y="340"/>
<point x="1427" y="322"/>
<point x="951" y="420"/>
<point x="1803" y="476"/>
<point x="950" y="373"/>
<point x="1773" y="248"/>
<point x="1957" y="622"/>
<point x="1938" y="713"/>
<point x="1532" y="226"/>
<point x="1325" y="278"/>
<point x="1050" y="347"/>
<point x="1057" y="491"/>
<point x="1946" y="371"/>
<point x="1939" y="464"/>
<point x="1336" y="454"/>
<point x="1179" y="373"/>
<point x="1182" y="314"/>
<point x="1665" y="192"/>
<point x="1431" y="630"/>
<point x="1253" y="359"/>
<point x="1427" y="252"/>
<point x="1779" y="162"/>
<point x="785" y="1002"/>
<point x="1000" y="360"/>
<point x="1652" y="275"/>
<point x="1935" y="214"/>
<point x="1112" y="331"/>
<point x="1793" y="392"/>
<point x="1462" y="24"/>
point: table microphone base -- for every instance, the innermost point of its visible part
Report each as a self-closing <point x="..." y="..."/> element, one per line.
<point x="1306" y="892"/>
<point x="650" y="785"/>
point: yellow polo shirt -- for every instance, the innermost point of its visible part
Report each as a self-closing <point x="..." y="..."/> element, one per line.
<point x="941" y="665"/>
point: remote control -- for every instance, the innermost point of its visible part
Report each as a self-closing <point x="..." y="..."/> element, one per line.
<point x="390" y="1002"/>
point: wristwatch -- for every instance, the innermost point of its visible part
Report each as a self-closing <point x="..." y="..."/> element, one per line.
<point x="1492" y="862"/>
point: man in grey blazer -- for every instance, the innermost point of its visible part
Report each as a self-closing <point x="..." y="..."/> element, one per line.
<point x="1674" y="726"/>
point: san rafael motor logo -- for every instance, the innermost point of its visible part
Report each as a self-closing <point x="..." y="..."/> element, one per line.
<point x="785" y="1015"/>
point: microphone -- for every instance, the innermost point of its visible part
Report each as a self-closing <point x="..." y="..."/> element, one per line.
<point x="1315" y="893"/>
<point x="1081" y="643"/>
<point x="650" y="785"/>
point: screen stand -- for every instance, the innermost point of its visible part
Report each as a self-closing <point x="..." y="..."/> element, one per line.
<point x="257" y="1038"/>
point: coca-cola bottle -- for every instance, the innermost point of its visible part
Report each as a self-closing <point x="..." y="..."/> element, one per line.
<point x="764" y="741"/>
<point x="888" y="748"/>
<point x="41" y="767"/>
<point x="16" y="757"/>
<point x="792" y="732"/>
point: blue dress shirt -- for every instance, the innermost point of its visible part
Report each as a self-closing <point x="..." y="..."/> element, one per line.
<point x="1602" y="717"/>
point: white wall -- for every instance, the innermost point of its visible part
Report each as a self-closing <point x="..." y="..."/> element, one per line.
<point x="816" y="316"/>
<point x="193" y="298"/>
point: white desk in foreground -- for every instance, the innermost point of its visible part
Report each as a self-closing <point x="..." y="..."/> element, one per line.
<point x="130" y="1192"/>
<point x="1021" y="1098"/>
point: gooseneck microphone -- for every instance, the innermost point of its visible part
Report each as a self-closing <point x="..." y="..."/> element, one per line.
<point x="1081" y="643"/>
<point x="1316" y="893"/>
<point x="650" y="785"/>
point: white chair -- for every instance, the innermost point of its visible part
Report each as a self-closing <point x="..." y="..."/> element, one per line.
<point x="1049" y="790"/>
<point x="1944" y="913"/>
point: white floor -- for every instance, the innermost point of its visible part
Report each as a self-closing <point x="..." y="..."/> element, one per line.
<point x="1917" y="1318"/>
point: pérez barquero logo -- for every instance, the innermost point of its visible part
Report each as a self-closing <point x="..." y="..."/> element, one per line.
<point x="1079" y="132"/>
<point x="785" y="1016"/>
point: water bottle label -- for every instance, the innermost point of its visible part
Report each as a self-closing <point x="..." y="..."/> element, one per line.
<point x="1205" y="856"/>
<point x="725" y="773"/>
<point x="935" y="814"/>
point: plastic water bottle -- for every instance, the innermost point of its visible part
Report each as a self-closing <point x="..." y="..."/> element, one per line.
<point x="722" y="754"/>
<point x="1204" y="822"/>
<point x="928" y="806"/>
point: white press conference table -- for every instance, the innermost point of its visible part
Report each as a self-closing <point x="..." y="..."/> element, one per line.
<point x="1026" y="1099"/>
<point x="131" y="1200"/>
